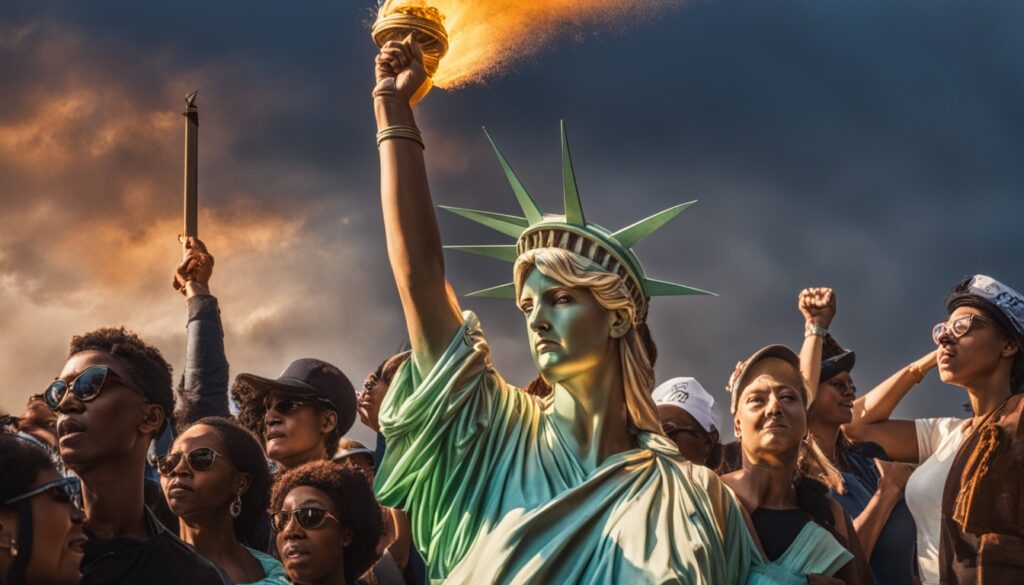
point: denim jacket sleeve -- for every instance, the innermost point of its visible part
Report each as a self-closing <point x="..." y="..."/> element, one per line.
<point x="204" y="391"/>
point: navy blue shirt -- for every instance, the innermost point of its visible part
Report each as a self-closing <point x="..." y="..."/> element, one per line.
<point x="892" y="559"/>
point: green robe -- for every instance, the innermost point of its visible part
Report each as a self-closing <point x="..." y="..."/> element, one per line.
<point x="814" y="551"/>
<point x="495" y="495"/>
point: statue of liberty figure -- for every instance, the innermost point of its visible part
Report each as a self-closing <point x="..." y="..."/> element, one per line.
<point x="573" y="484"/>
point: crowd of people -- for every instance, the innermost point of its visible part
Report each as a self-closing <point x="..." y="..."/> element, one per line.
<point x="591" y="474"/>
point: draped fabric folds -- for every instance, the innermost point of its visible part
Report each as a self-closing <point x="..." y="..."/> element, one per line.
<point x="496" y="496"/>
<point x="814" y="552"/>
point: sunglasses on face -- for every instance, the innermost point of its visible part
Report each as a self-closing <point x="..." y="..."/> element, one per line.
<point x="286" y="406"/>
<point x="85" y="387"/>
<point x="371" y="381"/>
<point x="199" y="459"/>
<point x="308" y="518"/>
<point x="956" y="328"/>
<point x="65" y="489"/>
<point x="672" y="430"/>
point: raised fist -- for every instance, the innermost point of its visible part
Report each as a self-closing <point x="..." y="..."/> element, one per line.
<point x="818" y="305"/>
<point x="192" y="276"/>
<point x="399" y="70"/>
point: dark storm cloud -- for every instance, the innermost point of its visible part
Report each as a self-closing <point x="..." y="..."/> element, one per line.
<point x="869" y="146"/>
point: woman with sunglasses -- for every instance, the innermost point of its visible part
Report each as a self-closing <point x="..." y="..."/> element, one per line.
<point x="965" y="495"/>
<point x="216" y="480"/>
<point x="327" y="524"/>
<point x="801" y="534"/>
<point x="691" y="418"/>
<point x="113" y="398"/>
<point x="300" y="415"/>
<point x="375" y="388"/>
<point x="41" y="533"/>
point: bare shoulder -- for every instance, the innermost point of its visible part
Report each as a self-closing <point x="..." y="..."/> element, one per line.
<point x="734" y="480"/>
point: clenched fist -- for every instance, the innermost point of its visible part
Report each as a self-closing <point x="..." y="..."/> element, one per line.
<point x="399" y="71"/>
<point x="192" y="276"/>
<point x="818" y="305"/>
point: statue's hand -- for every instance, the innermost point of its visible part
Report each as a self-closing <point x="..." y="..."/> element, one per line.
<point x="399" y="70"/>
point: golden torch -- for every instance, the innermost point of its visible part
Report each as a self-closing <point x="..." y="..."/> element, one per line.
<point x="397" y="19"/>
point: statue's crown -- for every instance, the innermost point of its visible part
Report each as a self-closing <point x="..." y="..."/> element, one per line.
<point x="572" y="232"/>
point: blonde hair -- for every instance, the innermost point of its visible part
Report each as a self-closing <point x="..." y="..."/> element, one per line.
<point x="636" y="348"/>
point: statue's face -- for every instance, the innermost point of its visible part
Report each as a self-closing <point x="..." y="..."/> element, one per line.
<point x="569" y="331"/>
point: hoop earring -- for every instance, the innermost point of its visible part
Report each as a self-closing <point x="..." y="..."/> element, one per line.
<point x="236" y="506"/>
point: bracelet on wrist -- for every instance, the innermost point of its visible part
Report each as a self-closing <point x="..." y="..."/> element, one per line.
<point x="400" y="131"/>
<point x="814" y="329"/>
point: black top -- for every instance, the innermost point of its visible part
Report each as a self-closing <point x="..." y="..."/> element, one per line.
<point x="161" y="560"/>
<point x="777" y="529"/>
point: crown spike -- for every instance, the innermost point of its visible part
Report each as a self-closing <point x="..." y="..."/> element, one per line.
<point x="530" y="208"/>
<point x="660" y="288"/>
<point x="630" y="235"/>
<point x="571" y="195"/>
<point x="509" y="225"/>
<point x="502" y="252"/>
<point x="504" y="291"/>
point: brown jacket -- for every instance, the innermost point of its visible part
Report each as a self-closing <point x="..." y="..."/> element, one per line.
<point x="983" y="503"/>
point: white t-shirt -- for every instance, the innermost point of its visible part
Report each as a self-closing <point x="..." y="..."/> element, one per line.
<point x="938" y="440"/>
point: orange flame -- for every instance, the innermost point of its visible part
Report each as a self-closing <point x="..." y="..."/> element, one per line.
<point x="489" y="37"/>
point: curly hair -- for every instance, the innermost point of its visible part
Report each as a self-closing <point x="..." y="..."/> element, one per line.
<point x="353" y="497"/>
<point x="146" y="366"/>
<point x="245" y="453"/>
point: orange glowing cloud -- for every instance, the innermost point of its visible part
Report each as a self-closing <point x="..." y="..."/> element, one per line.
<point x="487" y="37"/>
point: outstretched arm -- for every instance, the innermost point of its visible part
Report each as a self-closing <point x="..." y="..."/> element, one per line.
<point x="205" y="382"/>
<point x="432" y="314"/>
<point x="872" y="412"/>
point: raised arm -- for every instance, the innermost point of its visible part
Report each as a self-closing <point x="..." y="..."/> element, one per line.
<point x="872" y="412"/>
<point x="204" y="391"/>
<point x="818" y="306"/>
<point x="432" y="314"/>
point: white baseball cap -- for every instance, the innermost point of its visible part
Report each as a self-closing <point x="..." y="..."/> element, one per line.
<point x="688" y="394"/>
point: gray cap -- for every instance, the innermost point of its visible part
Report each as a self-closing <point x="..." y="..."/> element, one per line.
<point x="770" y="351"/>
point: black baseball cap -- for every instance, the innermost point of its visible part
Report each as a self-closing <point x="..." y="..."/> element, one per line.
<point x="312" y="377"/>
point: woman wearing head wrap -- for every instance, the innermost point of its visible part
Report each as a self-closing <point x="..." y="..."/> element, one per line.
<point x="41" y="534"/>
<point x="691" y="418"/>
<point x="873" y="485"/>
<point x="577" y="486"/>
<point x="800" y="531"/>
<point x="966" y="494"/>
